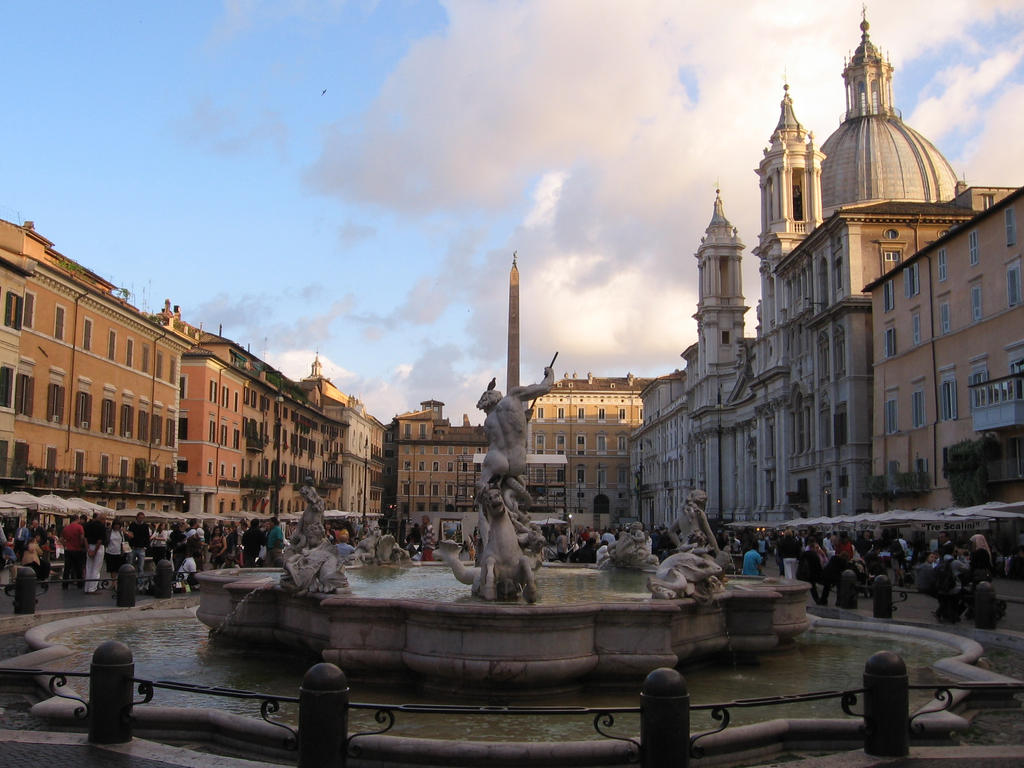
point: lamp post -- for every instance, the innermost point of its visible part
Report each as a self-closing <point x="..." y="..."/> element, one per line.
<point x="276" y="488"/>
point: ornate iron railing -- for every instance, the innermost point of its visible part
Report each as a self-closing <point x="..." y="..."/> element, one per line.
<point x="269" y="704"/>
<point x="603" y="718"/>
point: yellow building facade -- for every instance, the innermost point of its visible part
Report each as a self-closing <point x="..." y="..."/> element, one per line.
<point x="948" y="341"/>
<point x="589" y="421"/>
<point x="95" y="398"/>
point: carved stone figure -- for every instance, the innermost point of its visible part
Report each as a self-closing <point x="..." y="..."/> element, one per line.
<point x="505" y="570"/>
<point x="691" y="525"/>
<point x="631" y="550"/>
<point x="312" y="565"/>
<point x="691" y="529"/>
<point x="693" y="573"/>
<point x="310" y="531"/>
<point x="504" y="464"/>
<point x="315" y="571"/>
<point x="378" y="549"/>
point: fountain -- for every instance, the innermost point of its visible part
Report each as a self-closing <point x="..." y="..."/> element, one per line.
<point x="493" y="641"/>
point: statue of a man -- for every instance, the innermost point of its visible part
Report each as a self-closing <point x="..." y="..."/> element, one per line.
<point x="505" y="428"/>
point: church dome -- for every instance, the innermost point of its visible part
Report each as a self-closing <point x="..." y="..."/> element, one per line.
<point x="874" y="155"/>
<point x="879" y="157"/>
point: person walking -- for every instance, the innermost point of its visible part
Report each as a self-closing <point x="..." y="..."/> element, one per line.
<point x="275" y="544"/>
<point x="811" y="567"/>
<point x="752" y="561"/>
<point x="73" y="536"/>
<point x="789" y="549"/>
<point x="116" y="544"/>
<point x="138" y="536"/>
<point x="252" y="540"/>
<point x="95" y="538"/>
<point x="158" y="542"/>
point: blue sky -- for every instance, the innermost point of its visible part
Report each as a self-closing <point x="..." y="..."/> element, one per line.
<point x="189" y="151"/>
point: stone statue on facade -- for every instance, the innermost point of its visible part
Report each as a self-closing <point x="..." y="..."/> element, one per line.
<point x="312" y="564"/>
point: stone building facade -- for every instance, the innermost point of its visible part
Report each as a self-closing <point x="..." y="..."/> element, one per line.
<point x="777" y="424"/>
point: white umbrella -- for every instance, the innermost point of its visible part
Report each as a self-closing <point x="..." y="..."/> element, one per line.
<point x="21" y="499"/>
<point x="78" y="504"/>
<point x="53" y="503"/>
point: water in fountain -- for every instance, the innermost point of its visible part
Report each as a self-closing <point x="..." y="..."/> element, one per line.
<point x="817" y="661"/>
<point x="214" y="631"/>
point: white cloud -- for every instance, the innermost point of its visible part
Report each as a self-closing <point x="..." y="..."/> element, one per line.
<point x="962" y="91"/>
<point x="604" y="130"/>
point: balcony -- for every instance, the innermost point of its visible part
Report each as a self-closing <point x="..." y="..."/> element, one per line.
<point x="254" y="443"/>
<point x="255" y="482"/>
<point x="1006" y="470"/>
<point x="899" y="484"/>
<point x="13" y="469"/>
<point x="81" y="482"/>
<point x="224" y="482"/>
<point x="998" y="403"/>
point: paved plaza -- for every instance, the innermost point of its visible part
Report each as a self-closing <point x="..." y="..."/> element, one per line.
<point x="24" y="741"/>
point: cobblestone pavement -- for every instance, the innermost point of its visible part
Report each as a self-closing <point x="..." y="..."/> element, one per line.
<point x="74" y="755"/>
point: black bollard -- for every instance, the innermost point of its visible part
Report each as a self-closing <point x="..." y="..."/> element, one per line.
<point x="323" y="717"/>
<point x="664" y="720"/>
<point x="163" y="580"/>
<point x="881" y="593"/>
<point x="847" y="597"/>
<point x="127" y="586"/>
<point x="25" y="591"/>
<point x="886" y="706"/>
<point x="110" y="694"/>
<point x="984" y="605"/>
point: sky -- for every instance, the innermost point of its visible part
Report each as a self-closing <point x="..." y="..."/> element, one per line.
<point x="351" y="179"/>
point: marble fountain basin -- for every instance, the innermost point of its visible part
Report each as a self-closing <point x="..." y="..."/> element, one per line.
<point x="608" y="639"/>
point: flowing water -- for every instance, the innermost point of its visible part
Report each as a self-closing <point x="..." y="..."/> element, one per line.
<point x="182" y="650"/>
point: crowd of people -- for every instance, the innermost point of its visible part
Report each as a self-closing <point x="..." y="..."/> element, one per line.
<point x="946" y="569"/>
<point x="91" y="548"/>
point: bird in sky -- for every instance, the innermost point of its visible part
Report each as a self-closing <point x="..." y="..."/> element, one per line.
<point x="323" y="91"/>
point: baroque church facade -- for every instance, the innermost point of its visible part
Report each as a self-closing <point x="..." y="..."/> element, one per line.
<point x="779" y="424"/>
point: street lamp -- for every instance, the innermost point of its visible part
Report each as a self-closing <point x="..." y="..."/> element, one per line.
<point x="275" y="489"/>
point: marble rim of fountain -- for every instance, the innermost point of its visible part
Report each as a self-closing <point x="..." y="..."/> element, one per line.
<point x="514" y="647"/>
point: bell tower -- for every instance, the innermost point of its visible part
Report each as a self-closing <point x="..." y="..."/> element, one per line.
<point x="720" y="304"/>
<point x="790" y="181"/>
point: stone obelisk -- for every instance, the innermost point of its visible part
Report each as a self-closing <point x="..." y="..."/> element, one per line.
<point x="512" y="375"/>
